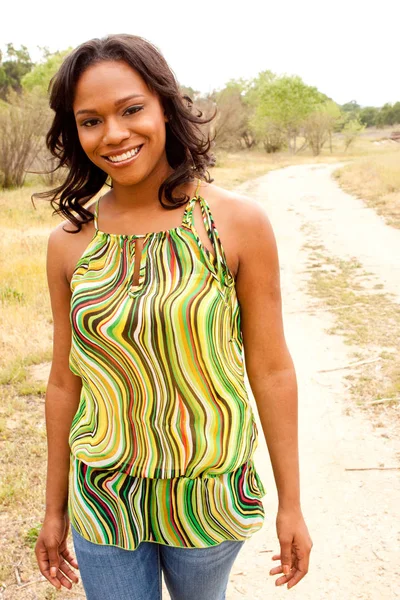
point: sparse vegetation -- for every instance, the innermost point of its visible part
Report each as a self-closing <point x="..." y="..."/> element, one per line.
<point x="376" y="180"/>
<point x="366" y="318"/>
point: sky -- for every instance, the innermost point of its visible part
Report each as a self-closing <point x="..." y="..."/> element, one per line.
<point x="348" y="49"/>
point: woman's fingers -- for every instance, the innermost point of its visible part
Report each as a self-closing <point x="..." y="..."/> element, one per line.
<point x="69" y="557"/>
<point x="276" y="557"/>
<point x="66" y="569"/>
<point x="286" y="555"/>
<point x="54" y="559"/>
<point x="48" y="561"/>
<point x="301" y="570"/>
<point x="44" y="565"/>
<point x="284" y="579"/>
<point x="62" y="578"/>
<point x="279" y="569"/>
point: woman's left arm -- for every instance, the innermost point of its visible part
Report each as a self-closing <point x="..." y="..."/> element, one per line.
<point x="272" y="379"/>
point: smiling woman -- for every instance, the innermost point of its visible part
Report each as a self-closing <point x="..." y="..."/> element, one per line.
<point x="112" y="131"/>
<point x="96" y="124"/>
<point x="151" y="434"/>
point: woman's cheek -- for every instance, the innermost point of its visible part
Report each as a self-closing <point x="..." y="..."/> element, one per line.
<point x="88" y="140"/>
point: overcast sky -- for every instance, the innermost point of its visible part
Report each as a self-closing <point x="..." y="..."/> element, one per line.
<point x="348" y="49"/>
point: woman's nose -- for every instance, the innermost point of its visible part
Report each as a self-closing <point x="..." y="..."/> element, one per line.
<point x="115" y="132"/>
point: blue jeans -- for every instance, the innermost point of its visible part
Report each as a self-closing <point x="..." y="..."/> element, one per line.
<point x="112" y="573"/>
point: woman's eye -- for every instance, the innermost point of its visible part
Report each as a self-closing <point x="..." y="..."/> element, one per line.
<point x="90" y="122"/>
<point x="133" y="109"/>
<point x="129" y="111"/>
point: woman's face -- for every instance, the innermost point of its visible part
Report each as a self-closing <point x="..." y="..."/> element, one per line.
<point x="120" y="122"/>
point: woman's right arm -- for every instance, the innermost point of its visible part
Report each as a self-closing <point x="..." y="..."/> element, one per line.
<point x="62" y="399"/>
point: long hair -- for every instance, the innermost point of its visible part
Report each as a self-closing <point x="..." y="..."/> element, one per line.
<point x="187" y="148"/>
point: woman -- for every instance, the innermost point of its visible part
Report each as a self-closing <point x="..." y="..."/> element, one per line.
<point x="150" y="432"/>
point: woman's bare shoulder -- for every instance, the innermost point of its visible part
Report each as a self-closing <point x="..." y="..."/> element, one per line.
<point x="66" y="229"/>
<point x="239" y="209"/>
<point x="67" y="244"/>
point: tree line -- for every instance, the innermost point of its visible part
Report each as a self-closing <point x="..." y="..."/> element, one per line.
<point x="270" y="111"/>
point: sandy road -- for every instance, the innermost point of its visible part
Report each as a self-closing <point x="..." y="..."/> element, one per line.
<point x="353" y="516"/>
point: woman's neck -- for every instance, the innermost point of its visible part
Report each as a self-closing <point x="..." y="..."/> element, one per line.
<point x="142" y="196"/>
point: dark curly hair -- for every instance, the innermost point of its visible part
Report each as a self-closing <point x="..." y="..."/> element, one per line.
<point x="187" y="148"/>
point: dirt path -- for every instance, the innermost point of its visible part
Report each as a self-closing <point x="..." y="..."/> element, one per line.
<point x="353" y="516"/>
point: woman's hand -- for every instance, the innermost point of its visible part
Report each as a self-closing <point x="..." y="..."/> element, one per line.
<point x="52" y="553"/>
<point x="295" y="545"/>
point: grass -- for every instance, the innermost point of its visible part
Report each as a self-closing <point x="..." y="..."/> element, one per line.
<point x="377" y="181"/>
<point x="26" y="341"/>
<point x="368" y="320"/>
<point x="233" y="168"/>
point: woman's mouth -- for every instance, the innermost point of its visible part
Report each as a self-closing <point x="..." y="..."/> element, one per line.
<point x="120" y="160"/>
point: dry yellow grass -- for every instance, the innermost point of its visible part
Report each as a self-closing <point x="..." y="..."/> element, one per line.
<point x="235" y="167"/>
<point x="376" y="179"/>
<point x="369" y="321"/>
<point x="25" y="317"/>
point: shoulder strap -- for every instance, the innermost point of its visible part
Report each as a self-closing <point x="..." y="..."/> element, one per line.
<point x="96" y="214"/>
<point x="187" y="218"/>
<point x="208" y="220"/>
<point x="213" y="234"/>
<point x="198" y="187"/>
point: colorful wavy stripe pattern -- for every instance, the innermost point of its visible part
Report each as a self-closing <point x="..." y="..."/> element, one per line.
<point x="163" y="439"/>
<point x="110" y="507"/>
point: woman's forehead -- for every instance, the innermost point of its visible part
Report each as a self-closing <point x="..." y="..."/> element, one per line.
<point x="109" y="81"/>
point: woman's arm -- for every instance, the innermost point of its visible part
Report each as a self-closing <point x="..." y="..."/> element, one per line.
<point x="63" y="389"/>
<point x="271" y="372"/>
<point x="61" y="403"/>
<point x="269" y="365"/>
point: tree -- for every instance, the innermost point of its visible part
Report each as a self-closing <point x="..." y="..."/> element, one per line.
<point x="352" y="107"/>
<point x="286" y="101"/>
<point x="351" y="131"/>
<point x="22" y="121"/>
<point x="368" y="115"/>
<point x="320" y="124"/>
<point x="13" y="68"/>
<point x="396" y="113"/>
<point x="38" y="78"/>
<point x="389" y="114"/>
<point x="263" y="128"/>
<point x="231" y="125"/>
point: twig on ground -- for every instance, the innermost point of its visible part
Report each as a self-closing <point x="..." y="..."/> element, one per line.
<point x="381" y="400"/>
<point x="374" y="469"/>
<point x="323" y="309"/>
<point x="28" y="583"/>
<point x="377" y="555"/>
<point x="356" y="364"/>
<point x="17" y="576"/>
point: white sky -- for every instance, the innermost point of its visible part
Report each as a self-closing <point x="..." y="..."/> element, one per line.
<point x="348" y="49"/>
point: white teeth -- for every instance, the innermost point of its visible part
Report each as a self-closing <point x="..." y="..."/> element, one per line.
<point x="124" y="156"/>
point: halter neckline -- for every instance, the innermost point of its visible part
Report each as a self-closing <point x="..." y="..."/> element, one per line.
<point x="186" y="219"/>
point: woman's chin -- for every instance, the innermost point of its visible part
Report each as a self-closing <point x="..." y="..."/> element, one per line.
<point x="125" y="179"/>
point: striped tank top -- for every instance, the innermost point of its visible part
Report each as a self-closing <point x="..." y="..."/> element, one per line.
<point x="163" y="438"/>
